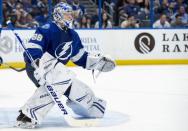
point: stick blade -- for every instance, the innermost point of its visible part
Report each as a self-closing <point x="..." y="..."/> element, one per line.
<point x="82" y="122"/>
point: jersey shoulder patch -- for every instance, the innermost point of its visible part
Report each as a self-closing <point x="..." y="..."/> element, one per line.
<point x="46" y="26"/>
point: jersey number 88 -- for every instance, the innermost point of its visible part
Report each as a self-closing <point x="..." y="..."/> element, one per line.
<point x="37" y="37"/>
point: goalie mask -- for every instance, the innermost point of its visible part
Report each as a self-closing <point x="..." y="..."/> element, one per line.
<point x="63" y="15"/>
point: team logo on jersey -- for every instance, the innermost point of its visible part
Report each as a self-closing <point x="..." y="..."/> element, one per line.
<point x="64" y="50"/>
<point x="144" y="43"/>
<point x="46" y="26"/>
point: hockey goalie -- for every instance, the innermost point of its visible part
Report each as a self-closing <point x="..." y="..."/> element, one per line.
<point x="51" y="47"/>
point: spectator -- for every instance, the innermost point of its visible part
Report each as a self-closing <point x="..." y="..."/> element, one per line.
<point x="20" y="16"/>
<point x="95" y="17"/>
<point x="27" y="5"/>
<point x="143" y="3"/>
<point x="131" y="22"/>
<point x="179" y="3"/>
<point x="162" y="22"/>
<point x="132" y="8"/>
<point x="85" y="22"/>
<point x="79" y="12"/>
<point x="178" y="22"/>
<point x="13" y="17"/>
<point x="38" y="9"/>
<point x="119" y="12"/>
<point x="163" y="7"/>
<point x="78" y="8"/>
<point x="6" y="12"/>
<point x="106" y="23"/>
<point x="19" y="11"/>
<point x="156" y="9"/>
<point x="31" y="23"/>
<point x="183" y="14"/>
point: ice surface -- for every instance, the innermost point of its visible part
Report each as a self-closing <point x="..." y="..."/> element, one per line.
<point x="140" y="98"/>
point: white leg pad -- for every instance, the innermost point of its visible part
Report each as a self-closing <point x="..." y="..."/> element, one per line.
<point x="38" y="105"/>
<point x="41" y="102"/>
<point x="83" y="101"/>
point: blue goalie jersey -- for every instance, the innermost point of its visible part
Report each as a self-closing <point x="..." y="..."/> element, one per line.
<point x="64" y="45"/>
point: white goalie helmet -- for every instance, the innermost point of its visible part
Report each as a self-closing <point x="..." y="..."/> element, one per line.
<point x="63" y="14"/>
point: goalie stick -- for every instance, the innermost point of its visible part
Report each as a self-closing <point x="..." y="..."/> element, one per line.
<point x="61" y="103"/>
<point x="11" y="67"/>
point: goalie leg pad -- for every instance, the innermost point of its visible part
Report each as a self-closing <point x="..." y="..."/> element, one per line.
<point x="38" y="105"/>
<point x="83" y="101"/>
<point x="41" y="102"/>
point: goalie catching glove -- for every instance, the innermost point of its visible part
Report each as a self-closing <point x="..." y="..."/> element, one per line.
<point x="100" y="62"/>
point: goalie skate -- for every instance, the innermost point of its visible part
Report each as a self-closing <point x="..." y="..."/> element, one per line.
<point x="25" y="122"/>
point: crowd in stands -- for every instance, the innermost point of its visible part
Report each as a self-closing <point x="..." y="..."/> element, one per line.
<point x="114" y="13"/>
<point x="25" y="13"/>
<point x="131" y="13"/>
<point x="170" y="13"/>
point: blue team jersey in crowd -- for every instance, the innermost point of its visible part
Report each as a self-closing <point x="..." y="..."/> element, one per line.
<point x="62" y="44"/>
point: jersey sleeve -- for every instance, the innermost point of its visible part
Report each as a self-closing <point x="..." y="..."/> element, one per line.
<point x="79" y="54"/>
<point x="37" y="44"/>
